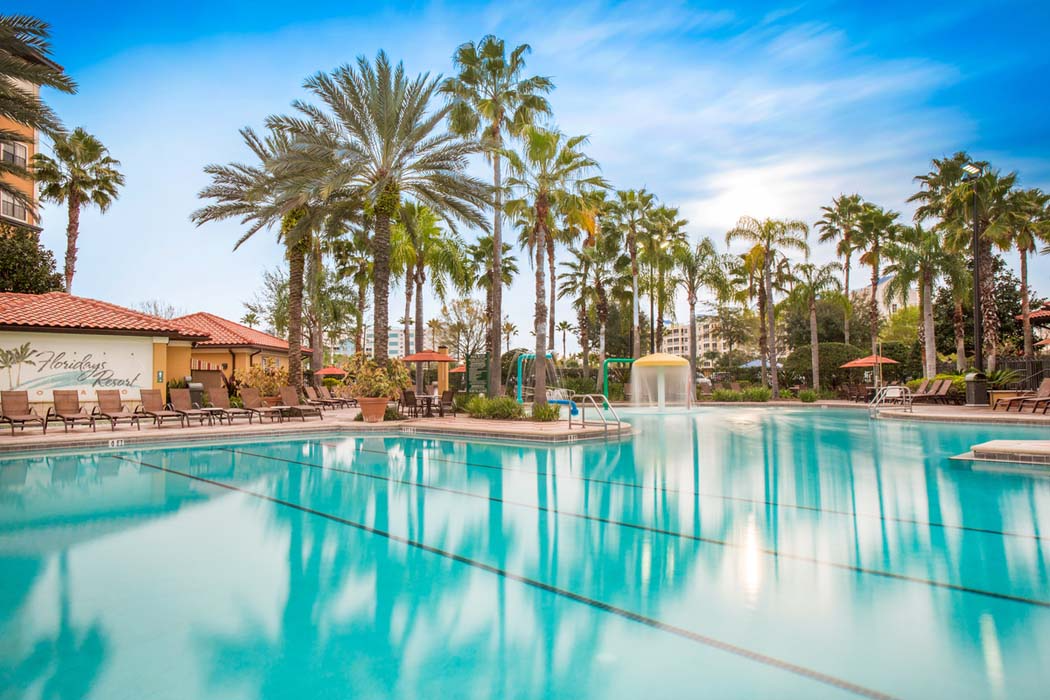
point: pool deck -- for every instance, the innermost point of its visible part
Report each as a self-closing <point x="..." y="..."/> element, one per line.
<point x="337" y="421"/>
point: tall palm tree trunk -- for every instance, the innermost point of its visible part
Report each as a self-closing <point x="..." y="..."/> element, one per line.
<point x="929" y="331"/>
<point x="539" y="385"/>
<point x="989" y="311"/>
<point x="359" y="321"/>
<point x="959" y="328"/>
<point x="873" y="308"/>
<point x="420" y="281"/>
<point x="1026" y="321"/>
<point x="814" y="343"/>
<point x="551" y="292"/>
<point x="771" y="315"/>
<point x="407" y="318"/>
<point x="636" y="336"/>
<point x="845" y="288"/>
<point x="296" y="265"/>
<point x="496" y="280"/>
<point x="763" y="338"/>
<point x="316" y="325"/>
<point x="585" y="338"/>
<point x="659" y="308"/>
<point x="72" y="232"/>
<point x="692" y="346"/>
<point x="381" y="284"/>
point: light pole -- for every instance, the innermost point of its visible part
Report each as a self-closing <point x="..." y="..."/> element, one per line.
<point x="974" y="173"/>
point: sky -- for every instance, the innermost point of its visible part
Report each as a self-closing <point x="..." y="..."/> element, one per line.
<point x="724" y="110"/>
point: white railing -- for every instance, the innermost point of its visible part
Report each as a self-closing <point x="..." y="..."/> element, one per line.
<point x="890" y="395"/>
<point x="600" y="404"/>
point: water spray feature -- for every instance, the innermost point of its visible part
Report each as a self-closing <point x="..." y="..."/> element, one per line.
<point x="661" y="380"/>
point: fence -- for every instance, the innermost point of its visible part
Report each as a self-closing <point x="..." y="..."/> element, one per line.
<point x="1032" y="371"/>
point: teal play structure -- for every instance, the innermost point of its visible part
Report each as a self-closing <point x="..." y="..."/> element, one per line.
<point x="605" y="370"/>
<point x="573" y="408"/>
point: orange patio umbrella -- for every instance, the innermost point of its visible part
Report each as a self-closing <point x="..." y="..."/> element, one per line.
<point x="331" y="372"/>
<point x="462" y="369"/>
<point x="869" y="361"/>
<point x="428" y="356"/>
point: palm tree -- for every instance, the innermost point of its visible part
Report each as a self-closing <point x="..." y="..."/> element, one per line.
<point x="604" y="257"/>
<point x="489" y="94"/>
<point x="838" y="224"/>
<point x="250" y="319"/>
<point x="564" y="327"/>
<point x="812" y="281"/>
<point x="25" y="49"/>
<point x="770" y="236"/>
<point x="575" y="284"/>
<point x="697" y="268"/>
<point x="917" y="257"/>
<point x="480" y="256"/>
<point x="257" y="196"/>
<point x="376" y="135"/>
<point x="875" y="227"/>
<point x="664" y="232"/>
<point x="81" y="173"/>
<point x="550" y="170"/>
<point x="630" y="209"/>
<point x="508" y="329"/>
<point x="1027" y="224"/>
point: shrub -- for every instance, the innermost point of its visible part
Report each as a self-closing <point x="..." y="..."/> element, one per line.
<point x="268" y="380"/>
<point x="958" y="382"/>
<point x="502" y="408"/>
<point x="756" y="394"/>
<point x="616" y="391"/>
<point x="832" y="355"/>
<point x="331" y="382"/>
<point x="725" y="395"/>
<point x="1002" y="378"/>
<point x="461" y="400"/>
<point x="807" y="396"/>
<point x="546" y="414"/>
<point x="580" y="385"/>
<point x="390" y="413"/>
<point x="370" y="380"/>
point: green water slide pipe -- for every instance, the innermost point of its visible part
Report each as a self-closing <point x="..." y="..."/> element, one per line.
<point x="521" y="360"/>
<point x="605" y="370"/>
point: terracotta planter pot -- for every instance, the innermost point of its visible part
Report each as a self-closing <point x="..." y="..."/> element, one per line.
<point x="271" y="400"/>
<point x="372" y="410"/>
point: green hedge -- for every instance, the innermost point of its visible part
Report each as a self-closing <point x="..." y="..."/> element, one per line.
<point x="756" y="393"/>
<point x="546" y="414"/>
<point x="725" y="395"/>
<point x="807" y="396"/>
<point x="502" y="408"/>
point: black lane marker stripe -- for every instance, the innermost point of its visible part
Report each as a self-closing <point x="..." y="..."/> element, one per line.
<point x="659" y="531"/>
<point x="701" y="494"/>
<point x="565" y="593"/>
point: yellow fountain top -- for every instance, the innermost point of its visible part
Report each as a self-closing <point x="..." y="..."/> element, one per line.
<point x="661" y="359"/>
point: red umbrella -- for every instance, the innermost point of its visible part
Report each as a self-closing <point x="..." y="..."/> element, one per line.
<point x="427" y="356"/>
<point x="462" y="369"/>
<point x="869" y="361"/>
<point x="331" y="372"/>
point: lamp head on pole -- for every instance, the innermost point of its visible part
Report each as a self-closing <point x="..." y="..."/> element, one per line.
<point x="973" y="170"/>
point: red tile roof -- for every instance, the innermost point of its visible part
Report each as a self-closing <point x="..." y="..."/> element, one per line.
<point x="61" y="311"/>
<point x="226" y="333"/>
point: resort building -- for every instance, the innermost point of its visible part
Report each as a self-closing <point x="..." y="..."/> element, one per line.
<point x="395" y="346"/>
<point x="231" y="346"/>
<point x="886" y="307"/>
<point x="676" y="338"/>
<point x="20" y="153"/>
<point x="58" y="341"/>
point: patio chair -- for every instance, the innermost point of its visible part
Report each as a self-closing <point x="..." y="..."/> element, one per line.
<point x="112" y="408"/>
<point x="921" y="389"/>
<point x="291" y="406"/>
<point x="152" y="406"/>
<point x="938" y="395"/>
<point x="254" y="403"/>
<point x="313" y="399"/>
<point x="220" y="406"/>
<point x="15" y="409"/>
<point x="326" y="393"/>
<point x="182" y="403"/>
<point x="930" y="389"/>
<point x="68" y="410"/>
<point x="1041" y="393"/>
<point x="409" y="405"/>
<point x="447" y="402"/>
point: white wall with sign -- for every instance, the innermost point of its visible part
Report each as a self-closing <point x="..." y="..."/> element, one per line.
<point x="41" y="362"/>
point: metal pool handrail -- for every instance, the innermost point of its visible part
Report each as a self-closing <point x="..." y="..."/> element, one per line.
<point x="896" y="393"/>
<point x="593" y="399"/>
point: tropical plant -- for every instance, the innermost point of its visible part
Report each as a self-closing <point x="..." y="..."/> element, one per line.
<point x="499" y="408"/>
<point x="81" y="173"/>
<point x="489" y="95"/>
<point x="838" y="224"/>
<point x="663" y="234"/>
<point x="1027" y="223"/>
<point x="268" y="380"/>
<point x="547" y="413"/>
<point x="564" y="327"/>
<point x="550" y="170"/>
<point x="25" y="49"/>
<point x="630" y="210"/>
<point x="508" y="329"/>
<point x="26" y="266"/>
<point x="376" y="135"/>
<point x="250" y="319"/>
<point x="813" y="281"/>
<point x="574" y="283"/>
<point x="916" y="257"/>
<point x="697" y="268"/>
<point x="875" y="228"/>
<point x="368" y="379"/>
<point x="770" y="236"/>
<point x="831" y="356"/>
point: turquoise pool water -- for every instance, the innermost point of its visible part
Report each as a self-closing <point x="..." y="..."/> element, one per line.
<point x="723" y="553"/>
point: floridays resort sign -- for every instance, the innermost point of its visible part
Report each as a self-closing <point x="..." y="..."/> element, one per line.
<point x="41" y="362"/>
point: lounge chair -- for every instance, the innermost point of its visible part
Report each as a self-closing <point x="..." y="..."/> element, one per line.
<point x="1036" y="401"/>
<point x="152" y="406"/>
<point x="929" y="390"/>
<point x="182" y="403"/>
<point x="325" y="393"/>
<point x="921" y="389"/>
<point x="68" y="410"/>
<point x="313" y="399"/>
<point x="220" y="406"/>
<point x="254" y="403"/>
<point x="113" y="409"/>
<point x="291" y="406"/>
<point x="937" y="395"/>
<point x="1041" y="393"/>
<point x="15" y="409"/>
<point x="447" y="402"/>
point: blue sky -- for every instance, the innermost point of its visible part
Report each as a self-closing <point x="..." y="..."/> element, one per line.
<point x="767" y="110"/>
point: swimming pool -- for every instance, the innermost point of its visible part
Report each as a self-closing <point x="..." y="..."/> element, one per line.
<point x="744" y="552"/>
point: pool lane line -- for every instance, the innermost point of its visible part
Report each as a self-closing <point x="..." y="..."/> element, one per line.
<point x="658" y="531"/>
<point x="675" y="630"/>
<point x="702" y="494"/>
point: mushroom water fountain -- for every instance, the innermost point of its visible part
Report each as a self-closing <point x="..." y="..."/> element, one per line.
<point x="661" y="380"/>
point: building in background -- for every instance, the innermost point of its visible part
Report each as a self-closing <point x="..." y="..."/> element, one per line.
<point x="676" y="338"/>
<point x="886" y="307"/>
<point x="395" y="346"/>
<point x="231" y="346"/>
<point x="20" y="153"/>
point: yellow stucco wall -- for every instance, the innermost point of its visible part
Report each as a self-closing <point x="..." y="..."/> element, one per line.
<point x="179" y="360"/>
<point x="239" y="359"/>
<point x="160" y="364"/>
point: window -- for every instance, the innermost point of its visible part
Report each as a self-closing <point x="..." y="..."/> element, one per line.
<point x="12" y="209"/>
<point x="14" y="153"/>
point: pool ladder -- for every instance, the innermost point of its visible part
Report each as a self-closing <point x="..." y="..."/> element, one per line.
<point x="897" y="395"/>
<point x="600" y="403"/>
